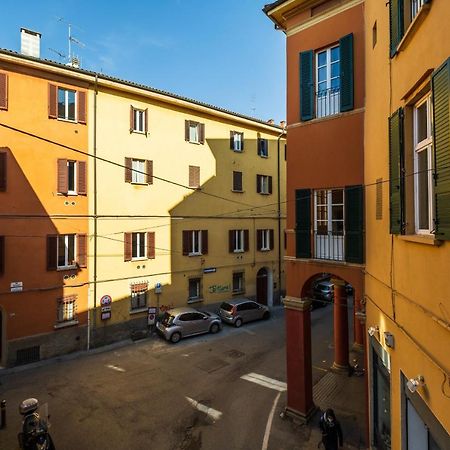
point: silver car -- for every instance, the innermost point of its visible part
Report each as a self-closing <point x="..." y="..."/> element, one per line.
<point x="236" y="312"/>
<point x="182" y="322"/>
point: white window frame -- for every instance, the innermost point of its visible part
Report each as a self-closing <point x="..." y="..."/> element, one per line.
<point x="329" y="208"/>
<point x="141" y="253"/>
<point x="198" y="295"/>
<point x="73" y="164"/>
<point x="265" y="240"/>
<point x="66" y="105"/>
<point x="241" y="282"/>
<point x="238" y="139"/>
<point x="416" y="6"/>
<point x="67" y="264"/>
<point x="196" y="242"/>
<point x="66" y="310"/>
<point x="327" y="103"/>
<point x="139" y="120"/>
<point x="194" y="132"/>
<point x="426" y="145"/>
<point x="138" y="171"/>
<point x="239" y="243"/>
<point x="264" y="184"/>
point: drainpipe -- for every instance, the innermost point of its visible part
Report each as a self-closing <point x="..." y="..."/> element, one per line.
<point x="95" y="203"/>
<point x="283" y="133"/>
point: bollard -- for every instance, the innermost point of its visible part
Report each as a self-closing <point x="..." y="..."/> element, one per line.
<point x="3" y="414"/>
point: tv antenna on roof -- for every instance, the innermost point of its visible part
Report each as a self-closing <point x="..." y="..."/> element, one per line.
<point x="74" y="60"/>
<point x="61" y="55"/>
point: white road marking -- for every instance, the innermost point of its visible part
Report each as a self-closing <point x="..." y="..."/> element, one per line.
<point x="210" y="412"/>
<point x="269" y="423"/>
<point x="265" y="381"/>
<point x="119" y="369"/>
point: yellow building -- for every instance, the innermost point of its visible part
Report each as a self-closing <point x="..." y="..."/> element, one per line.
<point x="407" y="173"/>
<point x="186" y="206"/>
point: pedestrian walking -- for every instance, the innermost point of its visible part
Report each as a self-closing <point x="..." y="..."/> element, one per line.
<point x="331" y="430"/>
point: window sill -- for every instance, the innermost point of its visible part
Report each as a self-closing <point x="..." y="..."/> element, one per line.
<point x="138" y="132"/>
<point x="264" y="193"/>
<point x="413" y="26"/>
<point x="138" y="310"/>
<point x="238" y="251"/>
<point x="237" y="151"/>
<point x="139" y="259"/>
<point x="421" y="239"/>
<point x="195" y="300"/>
<point x="264" y="156"/>
<point x="264" y="249"/>
<point x="238" y="292"/>
<point x="63" y="268"/>
<point x="194" y="142"/>
<point x="68" y="323"/>
<point x="195" y="254"/>
<point x="62" y="119"/>
<point x="237" y="192"/>
<point x="134" y="183"/>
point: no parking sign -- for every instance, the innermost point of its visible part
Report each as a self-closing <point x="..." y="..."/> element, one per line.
<point x="151" y="315"/>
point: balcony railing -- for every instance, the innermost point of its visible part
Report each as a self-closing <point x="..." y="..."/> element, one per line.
<point x="329" y="245"/>
<point x="328" y="102"/>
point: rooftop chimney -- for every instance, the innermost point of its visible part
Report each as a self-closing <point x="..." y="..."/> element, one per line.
<point x="30" y="43"/>
<point x="271" y="121"/>
<point x="283" y="124"/>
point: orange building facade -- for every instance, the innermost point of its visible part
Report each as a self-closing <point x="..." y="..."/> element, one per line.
<point x="43" y="211"/>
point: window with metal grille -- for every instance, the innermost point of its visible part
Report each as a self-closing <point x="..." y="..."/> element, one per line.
<point x="66" y="309"/>
<point x="139" y="295"/>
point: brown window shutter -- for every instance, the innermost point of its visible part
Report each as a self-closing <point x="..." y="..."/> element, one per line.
<point x="131" y="119"/>
<point x="52" y="242"/>
<point x="186" y="130"/>
<point x="2" y="171"/>
<point x="237" y="181"/>
<point x="151" y="245"/>
<point x="52" y="101"/>
<point x="3" y="91"/>
<point x="146" y="121"/>
<point x="127" y="241"/>
<point x="186" y="242"/>
<point x="242" y="141"/>
<point x="270" y="185"/>
<point x="82" y="250"/>
<point x="246" y="241"/>
<point x="201" y="130"/>
<point x="82" y="189"/>
<point x="258" y="184"/>
<point x="204" y="242"/>
<point x="149" y="170"/>
<point x="271" y="243"/>
<point x="62" y="176"/>
<point x="197" y="176"/>
<point x="194" y="176"/>
<point x="81" y="106"/>
<point x="258" y="240"/>
<point x="231" y="239"/>
<point x="2" y="255"/>
<point x="128" y="165"/>
<point x="232" y="140"/>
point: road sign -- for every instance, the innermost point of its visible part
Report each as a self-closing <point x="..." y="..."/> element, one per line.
<point x="106" y="300"/>
<point x="16" y="286"/>
<point x="151" y="315"/>
<point x="158" y="288"/>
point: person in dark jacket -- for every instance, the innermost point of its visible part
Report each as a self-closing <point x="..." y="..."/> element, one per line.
<point x="331" y="430"/>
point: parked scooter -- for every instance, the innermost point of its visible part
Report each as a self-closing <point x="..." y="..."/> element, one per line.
<point x="35" y="425"/>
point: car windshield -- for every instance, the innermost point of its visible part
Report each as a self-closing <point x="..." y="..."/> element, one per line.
<point x="167" y="319"/>
<point x="226" y="306"/>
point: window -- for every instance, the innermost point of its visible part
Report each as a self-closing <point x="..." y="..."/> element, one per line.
<point x="237" y="182"/>
<point x="139" y="296"/>
<point x="264" y="240"/>
<point x="423" y="168"/>
<point x="236" y="141"/>
<point x="415" y="7"/>
<point x="138" y="120"/>
<point x="238" y="241"/>
<point x="138" y="171"/>
<point x="66" y="310"/>
<point x="139" y="245"/>
<point x="328" y="82"/>
<point x="194" y="176"/>
<point x="66" y="104"/>
<point x="195" y="242"/>
<point x="238" y="282"/>
<point x="263" y="147"/>
<point x="71" y="177"/>
<point x="195" y="292"/>
<point x="66" y="251"/>
<point x="194" y="132"/>
<point x="263" y="184"/>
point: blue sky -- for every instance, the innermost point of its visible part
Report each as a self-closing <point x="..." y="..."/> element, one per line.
<point x="223" y="52"/>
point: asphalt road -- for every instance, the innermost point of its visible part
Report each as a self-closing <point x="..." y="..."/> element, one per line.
<point x="147" y="395"/>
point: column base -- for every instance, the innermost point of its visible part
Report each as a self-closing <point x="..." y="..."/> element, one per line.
<point x="297" y="416"/>
<point x="359" y="348"/>
<point x="338" y="368"/>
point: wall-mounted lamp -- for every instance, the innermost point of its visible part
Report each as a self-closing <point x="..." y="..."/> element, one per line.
<point x="389" y="339"/>
<point x="373" y="330"/>
<point x="414" y="383"/>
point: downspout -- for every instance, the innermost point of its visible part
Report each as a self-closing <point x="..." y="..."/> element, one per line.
<point x="283" y="133"/>
<point x="95" y="203"/>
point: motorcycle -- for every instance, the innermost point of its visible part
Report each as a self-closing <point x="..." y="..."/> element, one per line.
<point x="35" y="425"/>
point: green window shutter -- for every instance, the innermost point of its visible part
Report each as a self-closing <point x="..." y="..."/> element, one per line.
<point x="346" y="55"/>
<point x="441" y="140"/>
<point x="306" y="85"/>
<point x="303" y="223"/>
<point x="395" y="24"/>
<point x="396" y="173"/>
<point x="354" y="224"/>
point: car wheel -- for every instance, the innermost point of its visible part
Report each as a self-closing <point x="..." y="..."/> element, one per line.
<point x="175" y="338"/>
<point x="266" y="315"/>
<point x="214" y="328"/>
<point x="238" y="323"/>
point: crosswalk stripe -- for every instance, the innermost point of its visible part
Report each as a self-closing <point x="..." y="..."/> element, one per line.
<point x="210" y="412"/>
<point x="265" y="381"/>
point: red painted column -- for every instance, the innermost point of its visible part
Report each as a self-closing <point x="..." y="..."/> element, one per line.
<point x="340" y="327"/>
<point x="298" y="358"/>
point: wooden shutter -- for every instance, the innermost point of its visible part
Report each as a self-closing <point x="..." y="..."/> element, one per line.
<point x="146" y="120"/>
<point x="2" y="255"/>
<point x="271" y="239"/>
<point x="52" y="101"/>
<point x="246" y="241"/>
<point x="231" y="241"/>
<point x="258" y="146"/>
<point x="237" y="181"/>
<point x="259" y="239"/>
<point x="270" y="184"/>
<point x="303" y="223"/>
<point x="306" y="85"/>
<point x="258" y="184"/>
<point x="149" y="170"/>
<point x="204" y="242"/>
<point x="194" y="176"/>
<point x="441" y="140"/>
<point x="81" y="106"/>
<point x="132" y="124"/>
<point x="3" y="91"/>
<point x="62" y="176"/>
<point x="151" y="245"/>
<point x="395" y="24"/>
<point x="128" y="166"/>
<point x="82" y="189"/>
<point x="396" y="173"/>
<point x="128" y="246"/>
<point x="52" y="243"/>
<point x="186" y="130"/>
<point x="346" y="63"/>
<point x="2" y="171"/>
<point x="242" y="141"/>
<point x="201" y="133"/>
<point x="232" y="140"/>
<point x="186" y="242"/>
<point x="354" y="224"/>
<point x="82" y="250"/>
